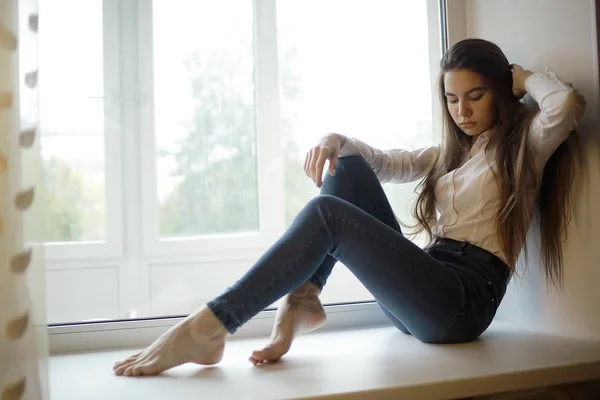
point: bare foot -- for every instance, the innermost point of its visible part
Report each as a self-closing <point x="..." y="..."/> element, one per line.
<point x="200" y="339"/>
<point x="301" y="312"/>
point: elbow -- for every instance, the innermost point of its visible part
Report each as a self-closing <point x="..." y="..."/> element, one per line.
<point x="575" y="105"/>
<point x="569" y="110"/>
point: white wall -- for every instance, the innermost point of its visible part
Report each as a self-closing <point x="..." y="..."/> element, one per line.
<point x="562" y="35"/>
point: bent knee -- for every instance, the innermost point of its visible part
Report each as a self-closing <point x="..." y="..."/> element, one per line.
<point x="326" y="202"/>
<point x="352" y="162"/>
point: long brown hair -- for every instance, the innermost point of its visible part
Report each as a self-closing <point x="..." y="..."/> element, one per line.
<point x="509" y="152"/>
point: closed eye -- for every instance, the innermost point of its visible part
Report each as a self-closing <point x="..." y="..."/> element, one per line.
<point x="455" y="100"/>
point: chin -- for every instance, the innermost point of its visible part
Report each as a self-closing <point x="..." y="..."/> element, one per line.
<point x="470" y="132"/>
<point x="473" y="132"/>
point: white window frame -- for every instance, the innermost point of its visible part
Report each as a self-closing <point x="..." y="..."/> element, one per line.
<point x="112" y="246"/>
<point x="127" y="46"/>
<point x="455" y="17"/>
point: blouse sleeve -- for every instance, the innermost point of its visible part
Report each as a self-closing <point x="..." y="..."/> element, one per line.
<point x="396" y="165"/>
<point x="561" y="107"/>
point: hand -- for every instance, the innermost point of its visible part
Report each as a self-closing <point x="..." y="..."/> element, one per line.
<point x="519" y="76"/>
<point x="328" y="149"/>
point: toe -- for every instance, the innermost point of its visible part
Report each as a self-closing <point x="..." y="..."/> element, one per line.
<point x="263" y="356"/>
<point x="254" y="361"/>
<point x="133" y="357"/>
<point x="258" y="355"/>
<point x="127" y="361"/>
<point x="146" y="369"/>
<point x="266" y="354"/>
<point x="125" y="364"/>
<point x="143" y="366"/>
<point x="119" y="364"/>
<point x="122" y="368"/>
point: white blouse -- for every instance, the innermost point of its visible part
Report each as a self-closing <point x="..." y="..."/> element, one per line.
<point x="467" y="198"/>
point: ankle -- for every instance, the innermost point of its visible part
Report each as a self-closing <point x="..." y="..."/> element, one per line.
<point x="311" y="288"/>
<point x="307" y="290"/>
<point x="206" y="324"/>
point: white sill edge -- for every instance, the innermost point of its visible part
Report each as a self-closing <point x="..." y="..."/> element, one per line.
<point x="141" y="333"/>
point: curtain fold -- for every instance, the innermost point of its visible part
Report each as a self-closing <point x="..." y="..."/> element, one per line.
<point x="23" y="336"/>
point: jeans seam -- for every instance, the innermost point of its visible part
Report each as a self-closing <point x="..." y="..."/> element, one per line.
<point x="450" y="326"/>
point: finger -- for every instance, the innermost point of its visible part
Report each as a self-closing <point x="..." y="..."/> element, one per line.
<point x="323" y="156"/>
<point x="314" y="155"/>
<point x="332" y="164"/>
<point x="306" y="163"/>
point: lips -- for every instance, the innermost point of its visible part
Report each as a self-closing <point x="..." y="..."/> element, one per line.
<point x="468" y="124"/>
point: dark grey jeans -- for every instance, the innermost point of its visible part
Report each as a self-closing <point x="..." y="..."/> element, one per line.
<point x="448" y="293"/>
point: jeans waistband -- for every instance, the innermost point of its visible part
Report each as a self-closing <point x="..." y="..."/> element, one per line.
<point x="477" y="253"/>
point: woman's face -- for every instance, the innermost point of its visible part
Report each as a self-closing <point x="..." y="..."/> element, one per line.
<point x="470" y="101"/>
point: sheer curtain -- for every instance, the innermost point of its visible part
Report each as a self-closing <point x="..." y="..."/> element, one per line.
<point x="23" y="340"/>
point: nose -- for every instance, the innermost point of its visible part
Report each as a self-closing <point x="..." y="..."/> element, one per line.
<point x="464" y="111"/>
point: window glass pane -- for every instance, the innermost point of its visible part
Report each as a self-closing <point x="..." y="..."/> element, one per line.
<point x="204" y="117"/>
<point x="71" y="110"/>
<point x="367" y="75"/>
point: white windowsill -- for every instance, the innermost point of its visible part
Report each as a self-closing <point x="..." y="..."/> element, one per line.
<point x="375" y="363"/>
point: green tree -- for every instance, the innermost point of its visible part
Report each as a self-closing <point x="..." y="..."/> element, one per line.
<point x="216" y="161"/>
<point x="71" y="208"/>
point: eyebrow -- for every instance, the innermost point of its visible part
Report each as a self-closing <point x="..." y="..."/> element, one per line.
<point x="476" y="89"/>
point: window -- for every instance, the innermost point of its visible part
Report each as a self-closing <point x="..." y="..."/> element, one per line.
<point x="174" y="134"/>
<point x="72" y="120"/>
<point x="80" y="219"/>
<point x="205" y="122"/>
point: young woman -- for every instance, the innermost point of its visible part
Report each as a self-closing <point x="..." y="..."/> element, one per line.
<point x="496" y="158"/>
